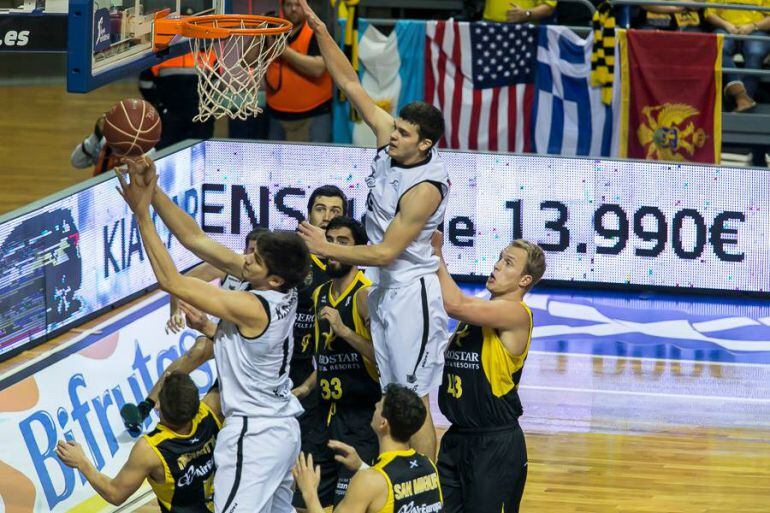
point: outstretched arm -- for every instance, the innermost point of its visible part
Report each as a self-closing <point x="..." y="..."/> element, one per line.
<point x="345" y="77"/>
<point x="183" y="226"/>
<point x="203" y="271"/>
<point x="241" y="308"/>
<point x="417" y="205"/>
<point x="139" y="466"/>
<point x="501" y="315"/>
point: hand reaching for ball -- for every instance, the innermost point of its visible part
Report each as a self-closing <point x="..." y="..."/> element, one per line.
<point x="138" y="189"/>
<point x="141" y="168"/>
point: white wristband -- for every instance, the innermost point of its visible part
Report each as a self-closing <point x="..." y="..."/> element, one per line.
<point x="363" y="466"/>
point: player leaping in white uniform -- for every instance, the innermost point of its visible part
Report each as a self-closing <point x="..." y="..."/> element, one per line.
<point x="260" y="440"/>
<point x="408" y="189"/>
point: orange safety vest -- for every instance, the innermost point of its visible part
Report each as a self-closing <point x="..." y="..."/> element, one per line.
<point x="290" y="91"/>
<point x="105" y="161"/>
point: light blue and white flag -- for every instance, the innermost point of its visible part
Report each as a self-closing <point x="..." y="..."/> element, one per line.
<point x="391" y="71"/>
<point x="569" y="116"/>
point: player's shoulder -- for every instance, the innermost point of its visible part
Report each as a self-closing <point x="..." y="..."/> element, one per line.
<point x="370" y="479"/>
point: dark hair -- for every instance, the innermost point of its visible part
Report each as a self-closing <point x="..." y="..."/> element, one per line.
<point x="356" y="228"/>
<point x="404" y="411"/>
<point x="285" y="255"/>
<point x="179" y="400"/>
<point x="255" y="234"/>
<point x="330" y="191"/>
<point x="427" y="118"/>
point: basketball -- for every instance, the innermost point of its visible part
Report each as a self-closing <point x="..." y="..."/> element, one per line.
<point x="132" y="127"/>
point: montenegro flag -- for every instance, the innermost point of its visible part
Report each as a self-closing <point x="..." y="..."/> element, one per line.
<point x="670" y="96"/>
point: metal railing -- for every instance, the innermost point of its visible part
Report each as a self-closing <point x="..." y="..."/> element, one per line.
<point x="711" y="5"/>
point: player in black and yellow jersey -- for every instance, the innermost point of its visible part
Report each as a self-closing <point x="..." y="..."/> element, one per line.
<point x="400" y="481"/>
<point x="482" y="461"/>
<point x="347" y="375"/>
<point x="325" y="203"/>
<point x="177" y="458"/>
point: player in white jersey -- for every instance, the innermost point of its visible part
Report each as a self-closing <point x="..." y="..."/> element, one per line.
<point x="202" y="350"/>
<point x="408" y="189"/>
<point x="260" y="438"/>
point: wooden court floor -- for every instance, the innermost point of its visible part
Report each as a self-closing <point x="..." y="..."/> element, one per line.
<point x="591" y="449"/>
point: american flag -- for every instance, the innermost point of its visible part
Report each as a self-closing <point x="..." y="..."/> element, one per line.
<point x="481" y="76"/>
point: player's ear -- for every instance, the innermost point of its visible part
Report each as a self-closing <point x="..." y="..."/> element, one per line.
<point x="424" y="145"/>
<point x="275" y="281"/>
<point x="525" y="281"/>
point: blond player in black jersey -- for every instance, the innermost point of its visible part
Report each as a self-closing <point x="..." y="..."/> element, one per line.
<point x="400" y="481"/>
<point x="176" y="458"/>
<point x="482" y="461"/>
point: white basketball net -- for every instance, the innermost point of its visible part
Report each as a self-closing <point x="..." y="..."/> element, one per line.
<point x="230" y="71"/>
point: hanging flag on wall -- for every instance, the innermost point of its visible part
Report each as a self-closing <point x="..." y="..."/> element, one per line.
<point x="569" y="115"/>
<point x="481" y="76"/>
<point x="670" y="96"/>
<point x="391" y="69"/>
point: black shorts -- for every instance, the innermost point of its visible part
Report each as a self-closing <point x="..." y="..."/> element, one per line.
<point x="483" y="471"/>
<point x="350" y="426"/>
<point x="315" y="436"/>
<point x="353" y="427"/>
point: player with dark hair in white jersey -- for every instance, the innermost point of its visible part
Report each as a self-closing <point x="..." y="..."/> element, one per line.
<point x="260" y="438"/>
<point x="134" y="415"/>
<point x="408" y="189"/>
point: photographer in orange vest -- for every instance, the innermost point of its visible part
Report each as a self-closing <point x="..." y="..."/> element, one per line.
<point x="299" y="89"/>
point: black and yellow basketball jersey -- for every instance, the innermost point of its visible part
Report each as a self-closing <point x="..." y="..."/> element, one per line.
<point x="479" y="388"/>
<point x="413" y="484"/>
<point x="344" y="376"/>
<point x="188" y="461"/>
<point x="304" y="344"/>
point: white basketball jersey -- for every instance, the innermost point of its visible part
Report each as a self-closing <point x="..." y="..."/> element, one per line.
<point x="387" y="183"/>
<point x="254" y="373"/>
<point x="232" y="283"/>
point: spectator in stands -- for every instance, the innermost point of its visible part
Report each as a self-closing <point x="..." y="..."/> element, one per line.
<point x="172" y="88"/>
<point x="665" y="17"/>
<point x="94" y="151"/>
<point x="731" y="21"/>
<point x="520" y="11"/>
<point x="299" y="89"/>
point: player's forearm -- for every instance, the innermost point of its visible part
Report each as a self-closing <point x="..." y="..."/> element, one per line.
<point x="177" y="220"/>
<point x="307" y="386"/>
<point x="185" y="364"/>
<point x="312" y="503"/>
<point x="307" y="65"/>
<point x="359" y="343"/>
<point x="377" y="255"/>
<point x="206" y="272"/>
<point x="335" y="61"/>
<point x="450" y="292"/>
<point x="102" y="484"/>
<point x="162" y="265"/>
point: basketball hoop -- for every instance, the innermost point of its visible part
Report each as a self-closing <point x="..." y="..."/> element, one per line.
<point x="232" y="53"/>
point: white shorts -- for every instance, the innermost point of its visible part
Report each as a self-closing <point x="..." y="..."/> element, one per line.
<point x="409" y="331"/>
<point x="254" y="457"/>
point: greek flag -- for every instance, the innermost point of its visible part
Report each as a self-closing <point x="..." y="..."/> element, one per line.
<point x="569" y="116"/>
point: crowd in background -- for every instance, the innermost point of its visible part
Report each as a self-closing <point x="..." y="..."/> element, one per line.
<point x="298" y="89"/>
